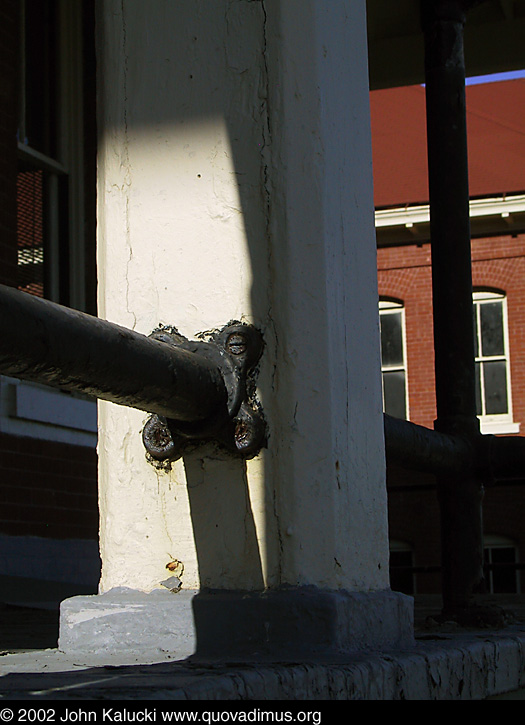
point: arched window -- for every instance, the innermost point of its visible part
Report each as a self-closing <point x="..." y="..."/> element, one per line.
<point x="393" y="358"/>
<point x="493" y="397"/>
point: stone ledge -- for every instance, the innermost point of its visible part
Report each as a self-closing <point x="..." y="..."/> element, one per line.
<point x="473" y="666"/>
<point x="459" y="669"/>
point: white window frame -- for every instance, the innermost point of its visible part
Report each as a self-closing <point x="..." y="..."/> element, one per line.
<point x="38" y="411"/>
<point x="503" y="422"/>
<point x="389" y="307"/>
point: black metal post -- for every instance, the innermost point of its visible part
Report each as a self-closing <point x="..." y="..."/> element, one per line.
<point x="449" y="216"/>
<point x="460" y="497"/>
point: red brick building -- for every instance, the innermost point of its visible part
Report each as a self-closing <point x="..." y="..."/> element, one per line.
<point x="496" y="127"/>
<point x="48" y="490"/>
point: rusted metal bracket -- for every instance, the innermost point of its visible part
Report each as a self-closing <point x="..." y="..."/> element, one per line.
<point x="239" y="426"/>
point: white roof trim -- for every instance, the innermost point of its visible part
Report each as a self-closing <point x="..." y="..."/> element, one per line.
<point x="410" y="215"/>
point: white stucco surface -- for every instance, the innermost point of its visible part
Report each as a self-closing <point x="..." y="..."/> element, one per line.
<point x="235" y="182"/>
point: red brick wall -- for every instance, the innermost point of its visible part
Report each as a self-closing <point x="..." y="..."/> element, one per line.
<point x="404" y="273"/>
<point x="47" y="489"/>
<point x="413" y="518"/>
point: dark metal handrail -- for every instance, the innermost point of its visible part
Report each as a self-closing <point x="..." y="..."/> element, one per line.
<point x="490" y="458"/>
<point x="195" y="390"/>
<point x="435" y="568"/>
<point x="47" y="343"/>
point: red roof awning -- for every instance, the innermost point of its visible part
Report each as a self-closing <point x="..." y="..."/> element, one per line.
<point x="496" y="142"/>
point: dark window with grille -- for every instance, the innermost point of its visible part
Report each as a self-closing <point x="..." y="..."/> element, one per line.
<point x="53" y="195"/>
<point x="38" y="202"/>
<point x="393" y="365"/>
<point x="30" y="232"/>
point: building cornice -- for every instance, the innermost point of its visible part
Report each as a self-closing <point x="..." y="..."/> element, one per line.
<point x="502" y="206"/>
<point x="488" y="215"/>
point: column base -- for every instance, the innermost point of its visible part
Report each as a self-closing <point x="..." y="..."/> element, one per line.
<point x="287" y="624"/>
<point x="126" y="621"/>
<point x="294" y="623"/>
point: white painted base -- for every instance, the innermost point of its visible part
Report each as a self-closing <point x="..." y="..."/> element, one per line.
<point x="289" y="624"/>
<point x="123" y="620"/>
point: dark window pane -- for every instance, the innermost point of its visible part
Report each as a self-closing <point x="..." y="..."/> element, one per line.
<point x="401" y="580"/>
<point x="492" y="329"/>
<point x="495" y="379"/>
<point x="40" y="74"/>
<point x="476" y="341"/>
<point x="504" y="577"/>
<point x="394" y="394"/>
<point x="479" y="410"/>
<point x="391" y="339"/>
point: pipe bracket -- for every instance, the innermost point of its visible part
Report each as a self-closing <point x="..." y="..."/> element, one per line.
<point x="238" y="426"/>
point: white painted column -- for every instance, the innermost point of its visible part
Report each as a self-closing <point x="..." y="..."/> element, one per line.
<point x="235" y="183"/>
<point x="327" y="449"/>
<point x="180" y="211"/>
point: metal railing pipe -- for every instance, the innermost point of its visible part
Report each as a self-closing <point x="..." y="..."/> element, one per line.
<point x="490" y="459"/>
<point x="422" y="449"/>
<point x="47" y="343"/>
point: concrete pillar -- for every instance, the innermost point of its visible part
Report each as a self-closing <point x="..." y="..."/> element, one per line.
<point x="235" y="183"/>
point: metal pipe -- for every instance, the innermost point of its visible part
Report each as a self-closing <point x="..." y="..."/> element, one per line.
<point x="47" y="343"/>
<point x="54" y="345"/>
<point x="487" y="458"/>
<point x="414" y="447"/>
